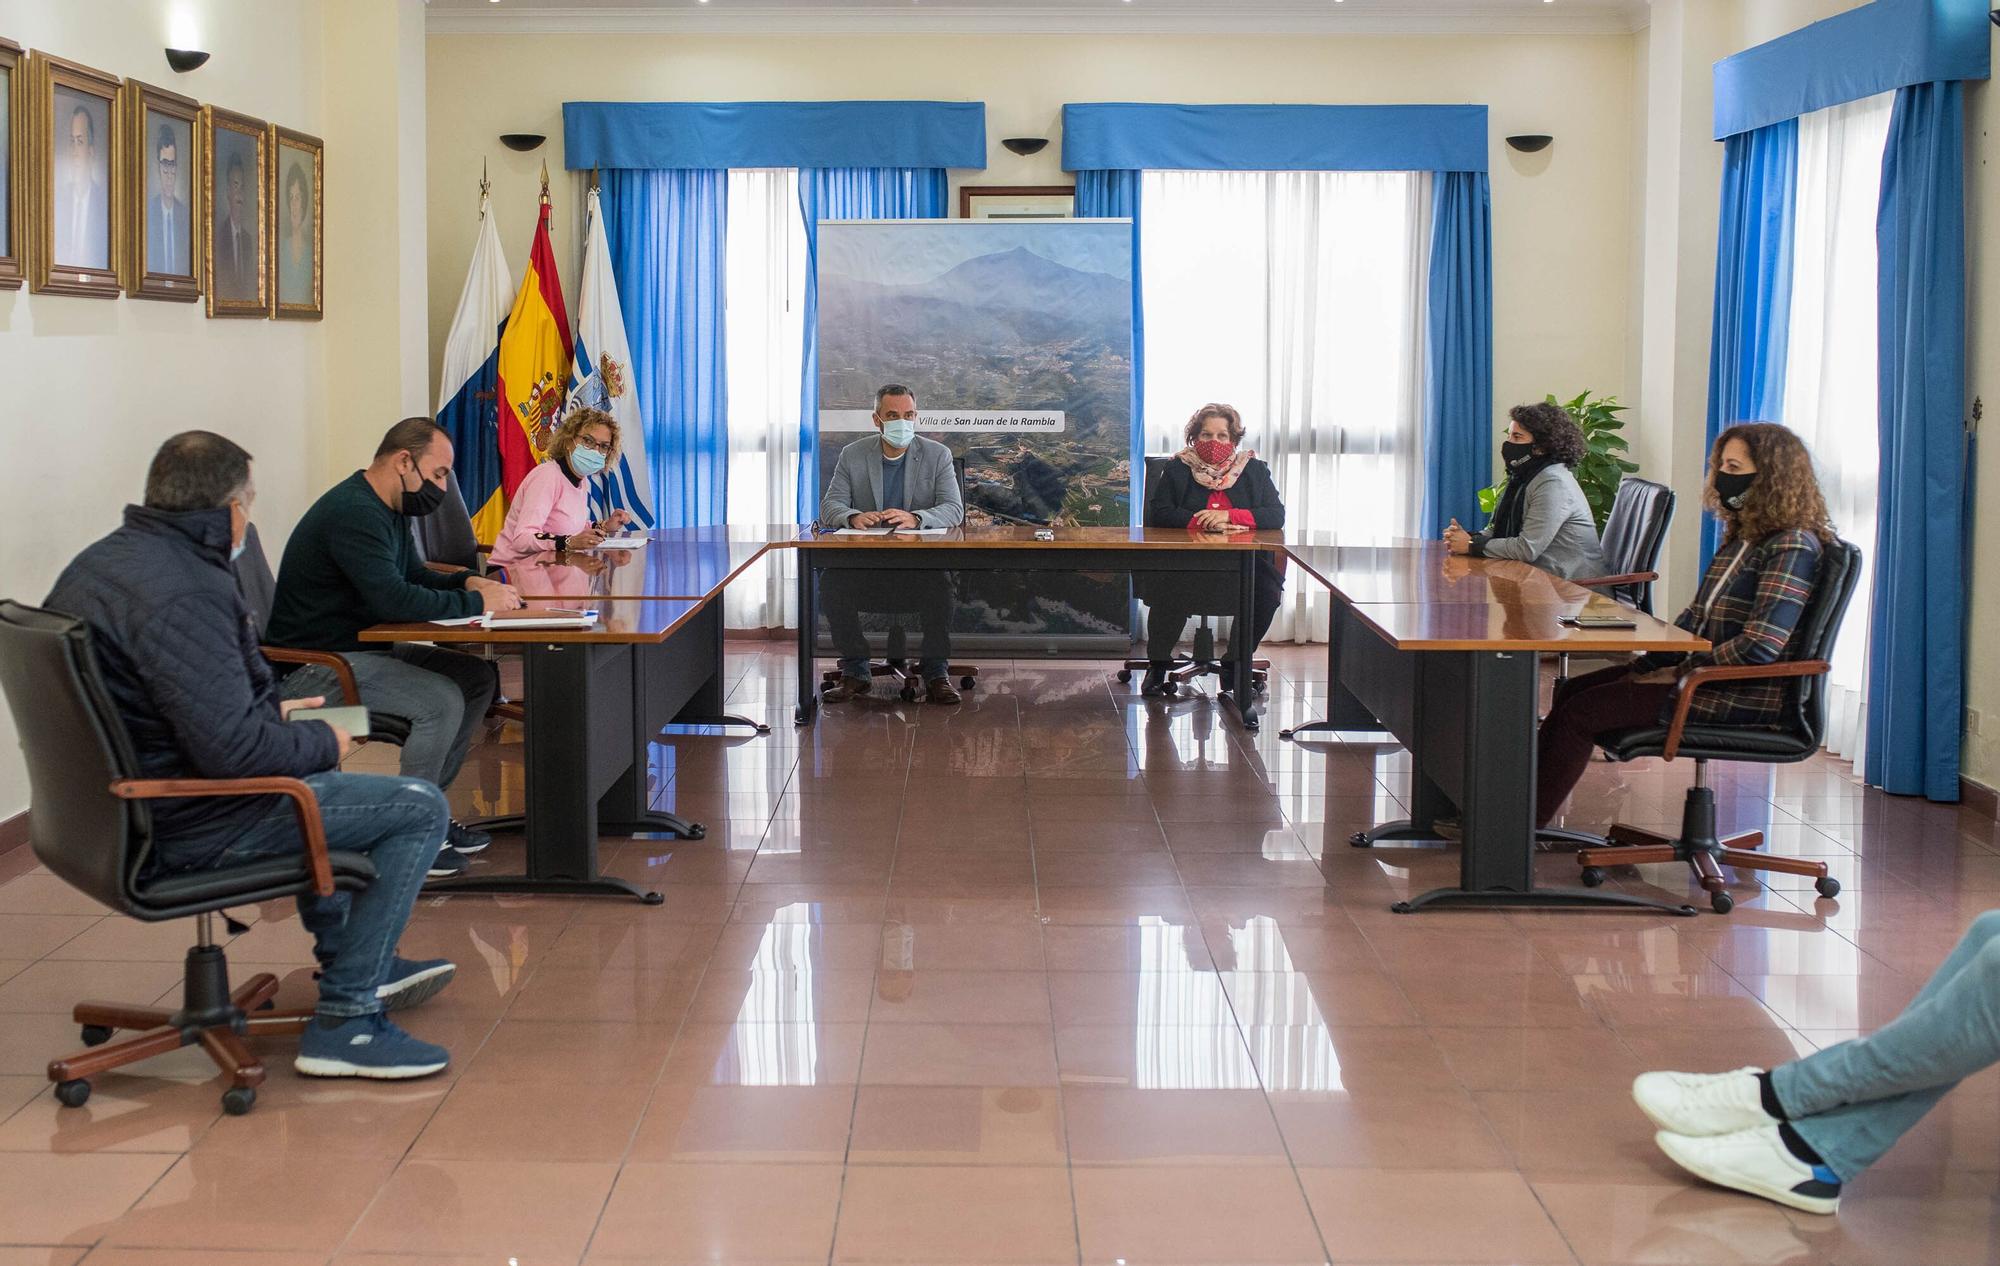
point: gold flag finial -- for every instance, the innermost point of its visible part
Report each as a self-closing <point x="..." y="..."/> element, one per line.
<point x="545" y="182"/>
<point x="485" y="187"/>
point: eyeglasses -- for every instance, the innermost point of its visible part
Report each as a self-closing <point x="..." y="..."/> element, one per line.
<point x="598" y="446"/>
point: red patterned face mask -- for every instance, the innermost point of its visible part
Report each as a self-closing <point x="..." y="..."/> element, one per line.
<point x="1215" y="452"/>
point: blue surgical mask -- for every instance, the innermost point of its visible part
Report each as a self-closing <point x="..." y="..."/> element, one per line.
<point x="236" y="550"/>
<point x="586" y="461"/>
<point x="899" y="431"/>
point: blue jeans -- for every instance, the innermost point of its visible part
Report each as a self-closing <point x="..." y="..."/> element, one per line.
<point x="400" y="824"/>
<point x="1852" y="1101"/>
<point x="443" y="694"/>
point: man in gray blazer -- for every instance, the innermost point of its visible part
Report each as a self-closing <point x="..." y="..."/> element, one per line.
<point x="892" y="479"/>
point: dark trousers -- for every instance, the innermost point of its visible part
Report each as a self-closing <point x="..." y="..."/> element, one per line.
<point x="1585" y="707"/>
<point x="1174" y="602"/>
<point x="844" y="593"/>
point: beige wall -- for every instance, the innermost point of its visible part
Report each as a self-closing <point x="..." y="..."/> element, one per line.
<point x="1982" y="235"/>
<point x="94" y="385"/>
<point x="1561" y="241"/>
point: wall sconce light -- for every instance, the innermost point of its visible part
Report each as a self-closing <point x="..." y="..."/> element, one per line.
<point x="522" y="141"/>
<point x="1026" y="145"/>
<point x="185" y="59"/>
<point x="1530" y="143"/>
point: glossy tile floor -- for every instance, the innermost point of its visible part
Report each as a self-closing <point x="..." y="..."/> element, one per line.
<point x="1058" y="976"/>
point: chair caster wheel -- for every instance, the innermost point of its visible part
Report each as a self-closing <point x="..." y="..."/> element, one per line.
<point x="96" y="1034"/>
<point x="1124" y="674"/>
<point x="1360" y="840"/>
<point x="908" y="694"/>
<point x="1722" y="903"/>
<point x="1170" y="689"/>
<point x="268" y="1004"/>
<point x="238" y="1100"/>
<point x="696" y="831"/>
<point x="1827" y="887"/>
<point x="965" y="683"/>
<point x="1592" y="876"/>
<point x="73" y="1094"/>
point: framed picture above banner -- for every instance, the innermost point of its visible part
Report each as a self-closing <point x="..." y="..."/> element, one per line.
<point x="236" y="222"/>
<point x="1016" y="202"/>
<point x="76" y="164"/>
<point x="13" y="163"/>
<point x="162" y="249"/>
<point x="297" y="171"/>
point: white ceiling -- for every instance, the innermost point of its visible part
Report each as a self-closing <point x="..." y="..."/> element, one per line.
<point x="1247" y="17"/>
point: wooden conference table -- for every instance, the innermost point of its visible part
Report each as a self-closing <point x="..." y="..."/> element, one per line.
<point x="1441" y="652"/>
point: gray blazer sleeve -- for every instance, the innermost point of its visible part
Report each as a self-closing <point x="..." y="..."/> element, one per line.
<point x="837" y="506"/>
<point x="947" y="508"/>
<point x="1546" y="512"/>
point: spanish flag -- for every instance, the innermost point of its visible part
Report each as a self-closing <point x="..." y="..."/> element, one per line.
<point x="535" y="354"/>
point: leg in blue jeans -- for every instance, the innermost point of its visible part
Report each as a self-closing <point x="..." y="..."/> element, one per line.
<point x="400" y="824"/>
<point x="443" y="694"/>
<point x="1852" y="1101"/>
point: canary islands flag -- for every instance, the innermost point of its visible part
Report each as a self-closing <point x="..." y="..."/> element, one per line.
<point x="534" y="369"/>
<point x="467" y="393"/>
<point x="602" y="378"/>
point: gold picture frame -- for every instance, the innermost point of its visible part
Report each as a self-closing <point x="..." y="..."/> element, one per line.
<point x="74" y="221"/>
<point x="162" y="236"/>
<point x="13" y="164"/>
<point x="298" y="206"/>
<point x="235" y="223"/>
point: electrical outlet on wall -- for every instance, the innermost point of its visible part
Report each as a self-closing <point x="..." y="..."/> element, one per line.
<point x="1971" y="721"/>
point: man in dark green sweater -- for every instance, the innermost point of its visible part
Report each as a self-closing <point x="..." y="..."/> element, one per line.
<point x="352" y="563"/>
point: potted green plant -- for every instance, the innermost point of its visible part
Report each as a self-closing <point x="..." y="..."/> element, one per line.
<point x="1602" y="467"/>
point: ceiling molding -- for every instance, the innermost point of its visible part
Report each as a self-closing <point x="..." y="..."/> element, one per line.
<point x="1249" y="18"/>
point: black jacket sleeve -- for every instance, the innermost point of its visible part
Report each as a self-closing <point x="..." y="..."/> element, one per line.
<point x="1166" y="508"/>
<point x="194" y="672"/>
<point x="1257" y="492"/>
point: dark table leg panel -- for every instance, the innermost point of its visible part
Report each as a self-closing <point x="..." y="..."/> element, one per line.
<point x="808" y="705"/>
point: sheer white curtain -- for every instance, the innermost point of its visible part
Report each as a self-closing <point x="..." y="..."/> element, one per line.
<point x="1830" y="384"/>
<point x="1297" y="297"/>
<point x="766" y="322"/>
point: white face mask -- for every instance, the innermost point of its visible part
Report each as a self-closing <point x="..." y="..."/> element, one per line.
<point x="899" y="431"/>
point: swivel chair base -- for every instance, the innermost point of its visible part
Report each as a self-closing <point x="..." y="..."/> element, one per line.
<point x="211" y="1015"/>
<point x="1699" y="847"/>
<point x="1184" y="669"/>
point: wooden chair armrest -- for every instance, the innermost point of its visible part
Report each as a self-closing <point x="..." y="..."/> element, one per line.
<point x="1690" y="682"/>
<point x="1627" y="578"/>
<point x="349" y="692"/>
<point x="447" y="569"/>
<point x="304" y="803"/>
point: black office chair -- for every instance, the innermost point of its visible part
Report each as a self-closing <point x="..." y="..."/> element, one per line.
<point x="896" y="659"/>
<point x="1795" y="737"/>
<point x="259" y="590"/>
<point x="89" y="824"/>
<point x="1203" y="661"/>
<point x="444" y="537"/>
<point x="1634" y="534"/>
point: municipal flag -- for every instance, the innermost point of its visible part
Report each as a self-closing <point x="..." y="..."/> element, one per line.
<point x="602" y="378"/>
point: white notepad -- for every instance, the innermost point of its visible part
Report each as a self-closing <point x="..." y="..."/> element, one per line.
<point x="621" y="542"/>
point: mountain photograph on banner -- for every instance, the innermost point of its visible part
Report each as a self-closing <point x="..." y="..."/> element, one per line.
<point x="1019" y="322"/>
<point x="1017" y="339"/>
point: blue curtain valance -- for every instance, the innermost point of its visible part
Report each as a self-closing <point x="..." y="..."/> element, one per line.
<point x="1876" y="48"/>
<point x="711" y="134"/>
<point x="1131" y="136"/>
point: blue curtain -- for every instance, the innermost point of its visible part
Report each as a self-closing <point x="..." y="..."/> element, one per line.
<point x="1916" y="659"/>
<point x="1753" y="286"/>
<point x="1458" y="350"/>
<point x="1107" y="194"/>
<point x="848" y="193"/>
<point x="665" y="233"/>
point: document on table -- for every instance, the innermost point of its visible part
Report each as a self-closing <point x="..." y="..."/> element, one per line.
<point x="621" y="542"/>
<point x="890" y="531"/>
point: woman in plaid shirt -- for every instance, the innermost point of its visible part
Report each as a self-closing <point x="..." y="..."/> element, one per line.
<point x="1761" y="486"/>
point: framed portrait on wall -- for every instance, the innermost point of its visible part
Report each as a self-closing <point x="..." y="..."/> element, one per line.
<point x="296" y="239"/>
<point x="162" y="243"/>
<point x="235" y="176"/>
<point x="13" y="163"/>
<point x="1016" y="202"/>
<point x="76" y="166"/>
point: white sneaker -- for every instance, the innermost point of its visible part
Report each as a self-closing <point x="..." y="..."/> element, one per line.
<point x="1758" y="1162"/>
<point x="1702" y="1104"/>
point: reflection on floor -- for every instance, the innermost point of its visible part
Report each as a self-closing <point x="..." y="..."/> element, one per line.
<point x="1057" y="976"/>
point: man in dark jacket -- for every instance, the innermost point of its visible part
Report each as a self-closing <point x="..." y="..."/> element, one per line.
<point x="179" y="655"/>
<point x="352" y="562"/>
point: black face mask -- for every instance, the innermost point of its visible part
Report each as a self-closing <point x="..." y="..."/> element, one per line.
<point x="421" y="500"/>
<point x="1514" y="454"/>
<point x="1730" y="488"/>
